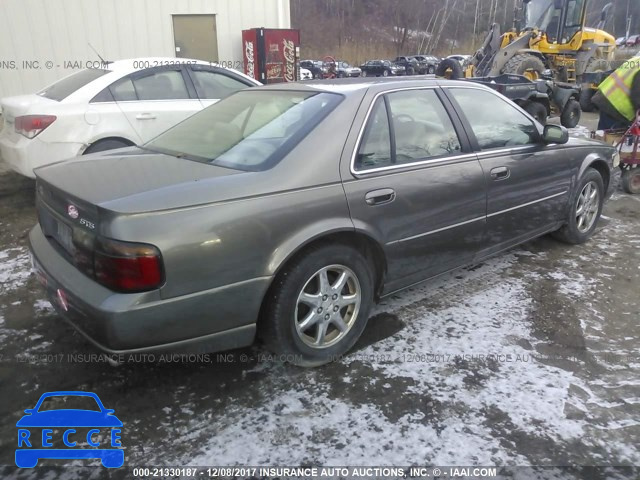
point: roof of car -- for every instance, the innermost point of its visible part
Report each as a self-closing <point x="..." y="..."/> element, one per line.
<point x="346" y="86"/>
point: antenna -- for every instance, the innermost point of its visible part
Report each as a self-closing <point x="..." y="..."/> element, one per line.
<point x="96" y="52"/>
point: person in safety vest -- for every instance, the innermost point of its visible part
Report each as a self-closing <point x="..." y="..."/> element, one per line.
<point x="618" y="96"/>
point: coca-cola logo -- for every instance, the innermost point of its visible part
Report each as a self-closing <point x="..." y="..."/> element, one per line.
<point x="289" y="53"/>
<point x="248" y="53"/>
<point x="274" y="71"/>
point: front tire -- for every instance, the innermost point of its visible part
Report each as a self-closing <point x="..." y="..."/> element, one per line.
<point x="319" y="305"/>
<point x="525" y="64"/>
<point x="585" y="210"/>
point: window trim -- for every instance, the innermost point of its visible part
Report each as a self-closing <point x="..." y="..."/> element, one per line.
<point x="191" y="91"/>
<point x="190" y="72"/>
<point x="459" y="129"/>
<point x="475" y="145"/>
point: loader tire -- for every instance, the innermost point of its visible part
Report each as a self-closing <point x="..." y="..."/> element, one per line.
<point x="449" y="68"/>
<point x="525" y="64"/>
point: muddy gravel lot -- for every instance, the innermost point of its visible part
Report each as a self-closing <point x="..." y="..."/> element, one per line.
<point x="530" y="358"/>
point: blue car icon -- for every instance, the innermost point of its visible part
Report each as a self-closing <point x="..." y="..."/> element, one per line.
<point x="32" y="447"/>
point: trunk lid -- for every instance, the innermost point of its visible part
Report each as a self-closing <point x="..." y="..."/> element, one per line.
<point x="113" y="177"/>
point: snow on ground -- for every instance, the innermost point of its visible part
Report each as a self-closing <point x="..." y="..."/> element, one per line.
<point x="477" y="390"/>
<point x="14" y="268"/>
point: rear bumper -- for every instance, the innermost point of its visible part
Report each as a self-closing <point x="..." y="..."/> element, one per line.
<point x="22" y="155"/>
<point x="223" y="318"/>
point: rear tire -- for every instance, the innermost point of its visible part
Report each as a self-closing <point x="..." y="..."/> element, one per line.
<point x="586" y="94"/>
<point x="585" y="209"/>
<point x="301" y="306"/>
<point x="108" y="144"/>
<point x="631" y="180"/>
<point x="525" y="64"/>
<point x="537" y="111"/>
<point x="571" y="114"/>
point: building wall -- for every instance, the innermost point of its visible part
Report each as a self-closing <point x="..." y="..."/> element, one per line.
<point x="53" y="32"/>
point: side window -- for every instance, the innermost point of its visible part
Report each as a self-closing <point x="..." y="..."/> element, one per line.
<point x="422" y="126"/>
<point x="163" y="85"/>
<point x="214" y="85"/>
<point x="495" y="123"/>
<point x="375" y="147"/>
<point x="123" y="90"/>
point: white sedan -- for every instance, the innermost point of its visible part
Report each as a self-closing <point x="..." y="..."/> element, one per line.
<point x="128" y="103"/>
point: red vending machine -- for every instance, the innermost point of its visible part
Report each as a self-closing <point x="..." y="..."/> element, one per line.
<point x="271" y="54"/>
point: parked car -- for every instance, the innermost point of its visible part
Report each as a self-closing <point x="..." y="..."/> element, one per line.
<point x="410" y="64"/>
<point x="462" y="59"/>
<point x="343" y="69"/>
<point x="305" y="74"/>
<point x="128" y="103"/>
<point x="633" y="41"/>
<point x="317" y="67"/>
<point x="427" y="64"/>
<point x="621" y="41"/>
<point x="377" y="68"/>
<point x="195" y="241"/>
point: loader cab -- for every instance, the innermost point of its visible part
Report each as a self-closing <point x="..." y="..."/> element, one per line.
<point x="561" y="20"/>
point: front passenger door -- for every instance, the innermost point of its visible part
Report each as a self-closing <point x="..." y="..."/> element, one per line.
<point x="415" y="188"/>
<point x="528" y="183"/>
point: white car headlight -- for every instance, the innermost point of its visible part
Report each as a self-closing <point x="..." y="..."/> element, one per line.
<point x="616" y="159"/>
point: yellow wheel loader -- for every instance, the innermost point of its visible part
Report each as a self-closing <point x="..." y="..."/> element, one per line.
<point x="549" y="37"/>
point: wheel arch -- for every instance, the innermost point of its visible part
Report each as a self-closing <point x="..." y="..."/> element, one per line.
<point x="362" y="241"/>
<point x="599" y="164"/>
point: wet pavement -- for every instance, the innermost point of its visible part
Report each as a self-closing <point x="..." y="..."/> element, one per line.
<point x="530" y="358"/>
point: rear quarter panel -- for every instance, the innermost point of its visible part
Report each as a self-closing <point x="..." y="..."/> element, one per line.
<point x="271" y="216"/>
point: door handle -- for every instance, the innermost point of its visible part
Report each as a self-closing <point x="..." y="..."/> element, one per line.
<point x="145" y="116"/>
<point x="500" y="173"/>
<point x="380" y="197"/>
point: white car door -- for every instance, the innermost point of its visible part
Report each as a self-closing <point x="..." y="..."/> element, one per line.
<point x="213" y="83"/>
<point x="155" y="99"/>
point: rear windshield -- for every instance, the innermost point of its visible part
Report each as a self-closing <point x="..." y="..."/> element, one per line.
<point x="250" y="130"/>
<point x="65" y="87"/>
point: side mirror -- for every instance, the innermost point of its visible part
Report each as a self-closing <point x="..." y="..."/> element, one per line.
<point x="555" y="134"/>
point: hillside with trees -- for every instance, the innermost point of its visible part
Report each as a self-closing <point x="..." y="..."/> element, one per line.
<point x="357" y="30"/>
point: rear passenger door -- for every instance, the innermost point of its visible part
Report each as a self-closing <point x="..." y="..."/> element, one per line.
<point x="414" y="185"/>
<point x="528" y="182"/>
<point x="156" y="99"/>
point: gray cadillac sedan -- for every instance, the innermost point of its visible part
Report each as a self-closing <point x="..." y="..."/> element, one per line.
<point x="287" y="210"/>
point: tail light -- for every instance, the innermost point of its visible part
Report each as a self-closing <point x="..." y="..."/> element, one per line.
<point x="127" y="267"/>
<point x="31" y="126"/>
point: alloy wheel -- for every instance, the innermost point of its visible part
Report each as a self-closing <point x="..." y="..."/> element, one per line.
<point x="327" y="306"/>
<point x="587" y="207"/>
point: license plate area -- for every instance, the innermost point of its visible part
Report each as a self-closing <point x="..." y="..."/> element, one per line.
<point x="64" y="236"/>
